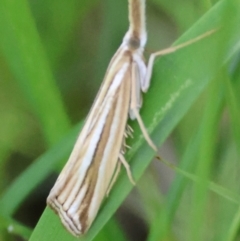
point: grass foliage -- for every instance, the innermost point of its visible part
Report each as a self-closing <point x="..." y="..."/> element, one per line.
<point x="53" y="55"/>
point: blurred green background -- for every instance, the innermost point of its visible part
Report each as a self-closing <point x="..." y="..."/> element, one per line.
<point x="53" y="56"/>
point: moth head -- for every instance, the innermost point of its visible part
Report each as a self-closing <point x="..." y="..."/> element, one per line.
<point x="134" y="40"/>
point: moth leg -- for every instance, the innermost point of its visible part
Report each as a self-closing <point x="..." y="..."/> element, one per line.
<point x="136" y="94"/>
<point x="118" y="168"/>
<point x="134" y="108"/>
<point x="147" y="80"/>
<point x="127" y="167"/>
<point x="129" y="132"/>
<point x="144" y="130"/>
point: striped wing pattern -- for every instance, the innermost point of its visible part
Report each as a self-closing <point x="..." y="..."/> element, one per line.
<point x="83" y="183"/>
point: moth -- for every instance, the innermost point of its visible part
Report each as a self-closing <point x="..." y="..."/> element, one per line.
<point x="99" y="151"/>
<point x="98" y="154"/>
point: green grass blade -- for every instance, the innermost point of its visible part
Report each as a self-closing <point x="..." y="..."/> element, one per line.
<point x="234" y="227"/>
<point x="160" y="227"/>
<point x="14" y="227"/>
<point x="234" y="108"/>
<point x="206" y="153"/>
<point x="59" y="21"/>
<point x="22" y="186"/>
<point x="111" y="231"/>
<point x="21" y="45"/>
